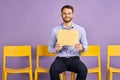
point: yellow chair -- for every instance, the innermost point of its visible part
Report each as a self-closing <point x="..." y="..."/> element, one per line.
<point x="113" y="51"/>
<point x="42" y="50"/>
<point x="16" y="51"/>
<point x="93" y="51"/>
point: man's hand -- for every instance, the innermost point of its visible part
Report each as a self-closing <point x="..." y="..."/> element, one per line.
<point x="79" y="47"/>
<point x="58" y="47"/>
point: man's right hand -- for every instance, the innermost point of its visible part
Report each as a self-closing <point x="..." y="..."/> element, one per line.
<point x="58" y="47"/>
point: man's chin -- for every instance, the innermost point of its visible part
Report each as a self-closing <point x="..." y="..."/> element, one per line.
<point x="67" y="21"/>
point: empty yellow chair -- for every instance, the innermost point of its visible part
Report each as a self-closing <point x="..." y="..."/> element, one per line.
<point x="42" y="50"/>
<point x="113" y="51"/>
<point x="16" y="51"/>
<point x="93" y="51"/>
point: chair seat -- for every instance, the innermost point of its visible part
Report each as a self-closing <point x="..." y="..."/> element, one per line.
<point x="23" y="70"/>
<point x="114" y="69"/>
<point x="93" y="70"/>
<point x="42" y="70"/>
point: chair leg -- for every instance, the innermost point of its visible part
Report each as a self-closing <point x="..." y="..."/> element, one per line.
<point x="30" y="76"/>
<point x="5" y="76"/>
<point x="72" y="76"/>
<point x="107" y="75"/>
<point x="110" y="75"/>
<point x="64" y="76"/>
<point x="99" y="76"/>
<point x="61" y="76"/>
<point x="36" y="75"/>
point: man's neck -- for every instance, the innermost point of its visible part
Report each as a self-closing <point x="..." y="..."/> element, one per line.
<point x="68" y="25"/>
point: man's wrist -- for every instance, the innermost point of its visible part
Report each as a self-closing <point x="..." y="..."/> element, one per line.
<point x="83" y="49"/>
<point x="57" y="51"/>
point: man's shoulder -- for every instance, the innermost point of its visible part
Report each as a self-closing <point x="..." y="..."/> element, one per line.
<point x="78" y="26"/>
<point x="57" y="27"/>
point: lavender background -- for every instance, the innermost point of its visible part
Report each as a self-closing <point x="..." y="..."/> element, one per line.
<point x="29" y="22"/>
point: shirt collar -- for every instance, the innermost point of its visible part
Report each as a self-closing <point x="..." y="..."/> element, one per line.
<point x="63" y="27"/>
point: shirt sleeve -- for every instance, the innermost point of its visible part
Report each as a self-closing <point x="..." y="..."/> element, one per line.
<point x="83" y="40"/>
<point x="52" y="42"/>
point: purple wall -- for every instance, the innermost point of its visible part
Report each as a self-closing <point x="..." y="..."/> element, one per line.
<point x="27" y="22"/>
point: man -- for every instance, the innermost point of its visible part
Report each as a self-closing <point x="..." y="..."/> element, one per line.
<point x="68" y="56"/>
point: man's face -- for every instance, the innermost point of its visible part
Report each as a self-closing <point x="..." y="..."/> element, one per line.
<point x="67" y="15"/>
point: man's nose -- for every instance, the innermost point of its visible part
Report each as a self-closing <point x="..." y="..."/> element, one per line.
<point x="67" y="15"/>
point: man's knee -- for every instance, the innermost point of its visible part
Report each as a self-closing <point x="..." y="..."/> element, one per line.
<point x="83" y="70"/>
<point x="54" y="70"/>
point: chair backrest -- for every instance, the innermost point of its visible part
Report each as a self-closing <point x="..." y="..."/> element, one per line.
<point x="17" y="51"/>
<point x="113" y="50"/>
<point x="93" y="50"/>
<point x="42" y="50"/>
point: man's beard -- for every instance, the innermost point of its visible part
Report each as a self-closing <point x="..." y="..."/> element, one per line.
<point x="67" y="21"/>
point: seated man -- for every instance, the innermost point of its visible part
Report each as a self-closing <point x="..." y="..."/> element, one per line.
<point x="68" y="56"/>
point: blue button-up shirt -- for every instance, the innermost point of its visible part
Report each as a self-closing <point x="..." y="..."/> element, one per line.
<point x="67" y="51"/>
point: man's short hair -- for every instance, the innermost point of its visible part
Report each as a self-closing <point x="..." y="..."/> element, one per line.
<point x="69" y="7"/>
